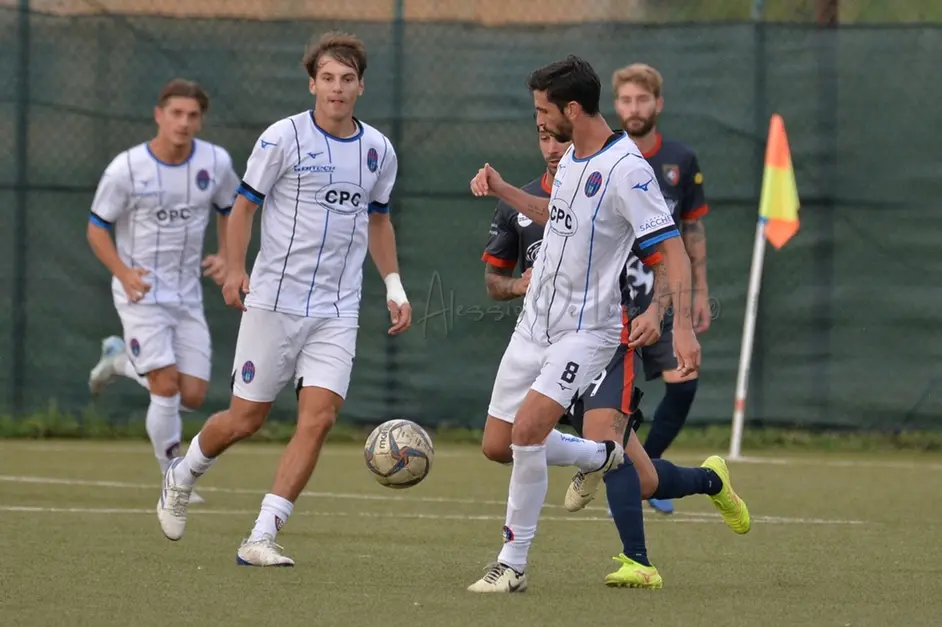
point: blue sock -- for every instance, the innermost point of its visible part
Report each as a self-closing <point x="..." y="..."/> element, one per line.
<point x="676" y="482"/>
<point x="670" y="416"/>
<point x="623" y="490"/>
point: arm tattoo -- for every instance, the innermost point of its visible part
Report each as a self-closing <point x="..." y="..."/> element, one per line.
<point x="500" y="282"/>
<point x="661" y="289"/>
<point x="694" y="236"/>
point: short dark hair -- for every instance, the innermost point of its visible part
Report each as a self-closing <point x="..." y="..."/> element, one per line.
<point x="182" y="88"/>
<point x="343" y="47"/>
<point x="570" y="80"/>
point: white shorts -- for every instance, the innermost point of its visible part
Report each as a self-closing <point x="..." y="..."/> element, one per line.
<point x="274" y="347"/>
<point x="158" y="336"/>
<point x="561" y="370"/>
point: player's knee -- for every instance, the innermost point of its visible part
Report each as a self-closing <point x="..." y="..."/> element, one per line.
<point x="647" y="476"/>
<point x="316" y="422"/>
<point x="245" y="418"/>
<point x="164" y="382"/>
<point x="604" y="424"/>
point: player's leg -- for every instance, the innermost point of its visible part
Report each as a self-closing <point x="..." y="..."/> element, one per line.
<point x="520" y="358"/>
<point x="265" y="357"/>
<point x="192" y="346"/>
<point x="672" y="412"/>
<point x="114" y="361"/>
<point x="567" y="367"/>
<point x="323" y="378"/>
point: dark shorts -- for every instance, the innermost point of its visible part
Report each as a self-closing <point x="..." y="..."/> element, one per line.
<point x="614" y="389"/>
<point x="659" y="357"/>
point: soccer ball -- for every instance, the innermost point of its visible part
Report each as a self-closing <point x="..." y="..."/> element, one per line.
<point x="399" y="453"/>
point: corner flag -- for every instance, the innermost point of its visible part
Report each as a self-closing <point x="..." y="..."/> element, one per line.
<point x="777" y="223"/>
<point x="778" y="207"/>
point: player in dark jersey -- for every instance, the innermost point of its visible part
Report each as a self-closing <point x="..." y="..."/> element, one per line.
<point x="638" y="102"/>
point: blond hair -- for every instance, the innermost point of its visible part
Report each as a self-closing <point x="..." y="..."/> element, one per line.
<point x="640" y="74"/>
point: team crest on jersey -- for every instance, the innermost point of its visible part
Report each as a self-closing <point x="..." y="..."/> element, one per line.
<point x="372" y="159"/>
<point x="533" y="250"/>
<point x="135" y="347"/>
<point x="248" y="372"/>
<point x="523" y="220"/>
<point x="202" y="179"/>
<point x="671" y="174"/>
<point x="593" y="183"/>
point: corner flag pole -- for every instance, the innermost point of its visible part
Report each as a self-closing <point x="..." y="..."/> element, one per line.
<point x="778" y="222"/>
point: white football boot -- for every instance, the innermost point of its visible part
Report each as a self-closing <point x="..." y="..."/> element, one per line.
<point x="171" y="508"/>
<point x="500" y="578"/>
<point x="262" y="552"/>
<point x="585" y="484"/>
<point x="103" y="373"/>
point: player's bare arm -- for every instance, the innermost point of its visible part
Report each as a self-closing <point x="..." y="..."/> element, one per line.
<point x="99" y="239"/>
<point x="214" y="266"/>
<point x="503" y="285"/>
<point x="238" y="235"/>
<point x="382" y="246"/>
<point x="488" y="182"/>
<point x="646" y="328"/>
<point x="694" y="236"/>
<point x="677" y="289"/>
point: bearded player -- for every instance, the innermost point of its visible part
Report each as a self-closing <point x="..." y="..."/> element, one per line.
<point x="638" y="102"/>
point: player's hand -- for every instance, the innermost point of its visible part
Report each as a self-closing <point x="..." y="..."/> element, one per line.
<point x="687" y="350"/>
<point x="133" y="283"/>
<point x="520" y="285"/>
<point x="400" y="316"/>
<point x="702" y="316"/>
<point x="215" y="268"/>
<point x="645" y="329"/>
<point x="236" y="282"/>
<point x="485" y="181"/>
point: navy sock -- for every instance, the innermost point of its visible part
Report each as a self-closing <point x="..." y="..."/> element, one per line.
<point x="676" y="482"/>
<point x="623" y="490"/>
<point x="670" y="416"/>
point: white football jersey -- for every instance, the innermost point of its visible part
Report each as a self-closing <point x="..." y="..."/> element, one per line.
<point x="600" y="207"/>
<point x="316" y="192"/>
<point x="160" y="212"/>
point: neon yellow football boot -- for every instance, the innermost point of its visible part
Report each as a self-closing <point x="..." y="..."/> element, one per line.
<point x="633" y="575"/>
<point x="734" y="510"/>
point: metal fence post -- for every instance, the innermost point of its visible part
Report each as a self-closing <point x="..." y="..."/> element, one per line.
<point x="18" y="363"/>
<point x="398" y="63"/>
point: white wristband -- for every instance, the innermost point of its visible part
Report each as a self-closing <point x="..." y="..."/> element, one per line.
<point x="394" y="290"/>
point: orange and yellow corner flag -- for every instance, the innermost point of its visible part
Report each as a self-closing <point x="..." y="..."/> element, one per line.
<point x="779" y="204"/>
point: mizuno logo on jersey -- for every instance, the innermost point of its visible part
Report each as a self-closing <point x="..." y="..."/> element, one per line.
<point x="643" y="186"/>
<point x="313" y="155"/>
<point x="265" y="144"/>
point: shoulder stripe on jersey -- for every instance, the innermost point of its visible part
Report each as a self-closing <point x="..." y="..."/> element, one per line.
<point x="99" y="221"/>
<point x="294" y="226"/>
<point x="588" y="266"/>
<point x="657" y="237"/>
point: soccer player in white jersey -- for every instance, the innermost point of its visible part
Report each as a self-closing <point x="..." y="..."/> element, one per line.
<point x="605" y="200"/>
<point x="325" y="179"/>
<point x="158" y="198"/>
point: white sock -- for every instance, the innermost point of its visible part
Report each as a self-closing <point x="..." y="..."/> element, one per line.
<point x="194" y="464"/>
<point x="569" y="450"/>
<point x="124" y="367"/>
<point x="272" y="517"/>
<point x="164" y="427"/>
<point x="528" y="482"/>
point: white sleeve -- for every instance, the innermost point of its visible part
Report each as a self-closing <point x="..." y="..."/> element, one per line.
<point x="267" y="163"/>
<point x="227" y="182"/>
<point x="641" y="203"/>
<point x="113" y="196"/>
<point x="385" y="181"/>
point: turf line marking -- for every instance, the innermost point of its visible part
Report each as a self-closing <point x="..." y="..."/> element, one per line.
<point x="29" y="509"/>
<point x="676" y="517"/>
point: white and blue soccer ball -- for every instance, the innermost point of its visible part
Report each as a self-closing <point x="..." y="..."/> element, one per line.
<point x="399" y="454"/>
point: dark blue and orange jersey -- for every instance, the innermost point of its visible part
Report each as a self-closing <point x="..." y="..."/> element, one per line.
<point x="681" y="181"/>
<point x="515" y="239"/>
